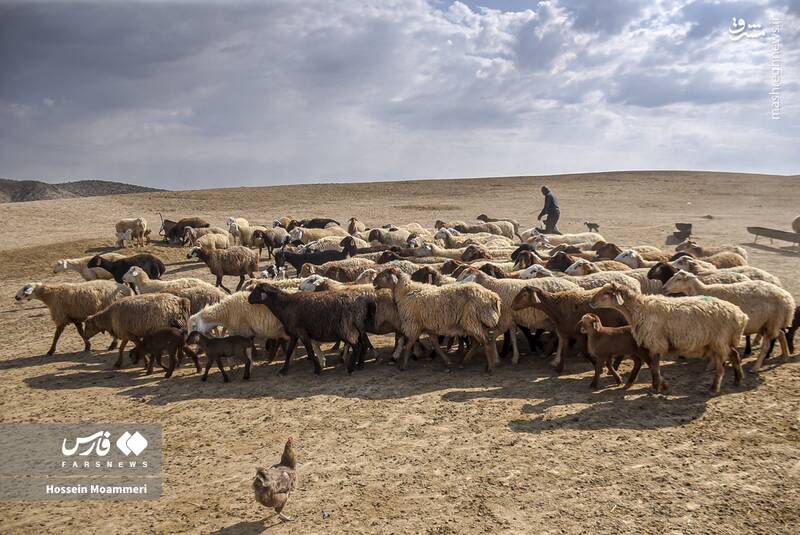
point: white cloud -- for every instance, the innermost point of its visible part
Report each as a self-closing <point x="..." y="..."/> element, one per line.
<point x="302" y="91"/>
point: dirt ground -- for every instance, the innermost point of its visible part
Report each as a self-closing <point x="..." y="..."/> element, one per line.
<point x="422" y="451"/>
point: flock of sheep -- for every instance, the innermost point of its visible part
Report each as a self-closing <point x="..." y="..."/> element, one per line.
<point x="459" y="284"/>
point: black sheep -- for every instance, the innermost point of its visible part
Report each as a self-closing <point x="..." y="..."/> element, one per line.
<point x="150" y="264"/>
<point x="314" y="222"/>
<point x="317" y="257"/>
<point x="327" y="316"/>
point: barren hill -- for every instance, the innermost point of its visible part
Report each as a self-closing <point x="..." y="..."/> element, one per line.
<point x="35" y="190"/>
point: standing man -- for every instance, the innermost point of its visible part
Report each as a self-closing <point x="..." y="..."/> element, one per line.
<point x="551" y="210"/>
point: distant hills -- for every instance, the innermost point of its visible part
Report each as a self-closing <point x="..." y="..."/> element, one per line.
<point x="34" y="190"/>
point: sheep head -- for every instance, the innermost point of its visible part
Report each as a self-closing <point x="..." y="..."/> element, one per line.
<point x="630" y="258"/>
<point x="387" y="278"/>
<point x="612" y="295"/>
<point x="682" y="282"/>
<point x="589" y="323"/>
<point x="26" y="292"/>
<point x="527" y="297"/>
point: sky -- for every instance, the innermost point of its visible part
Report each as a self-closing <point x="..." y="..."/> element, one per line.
<point x="186" y="95"/>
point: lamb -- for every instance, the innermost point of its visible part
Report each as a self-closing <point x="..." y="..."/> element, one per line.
<point x="334" y="243"/>
<point x="447" y="224"/>
<point x="354" y="226"/>
<point x="151" y="264"/>
<point x="514" y="223"/>
<point x="694" y="266"/>
<point x="236" y="260"/>
<point x="689" y="326"/>
<point x="217" y="349"/>
<point x="507" y="290"/>
<point x="190" y="235"/>
<point x="122" y="237"/>
<point x="73" y="303"/>
<point x="306" y="235"/>
<point x="199" y="293"/>
<point x="172" y="341"/>
<point x="321" y="316"/>
<point x="137" y="316"/>
<point x="690" y="246"/>
<point x="451" y="310"/>
<point x="81" y="265"/>
<point x="430" y="249"/>
<point x="564" y="309"/>
<point x="136" y="226"/>
<point x="316" y="258"/>
<point x="605" y="343"/>
<point x="584" y="267"/>
<point x="769" y="309"/>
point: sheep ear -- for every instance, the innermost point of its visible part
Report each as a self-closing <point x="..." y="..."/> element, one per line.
<point x="596" y="322"/>
<point x="535" y="297"/>
<point x="618" y="298"/>
<point x="395" y="280"/>
<point x="29" y="290"/>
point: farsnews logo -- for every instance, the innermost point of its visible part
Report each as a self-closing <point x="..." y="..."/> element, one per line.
<point x="99" y="443"/>
<point x="739" y="29"/>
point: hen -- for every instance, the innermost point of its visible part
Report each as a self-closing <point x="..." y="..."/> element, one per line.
<point x="274" y="485"/>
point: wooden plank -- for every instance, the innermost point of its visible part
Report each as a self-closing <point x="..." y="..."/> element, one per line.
<point x="782" y="235"/>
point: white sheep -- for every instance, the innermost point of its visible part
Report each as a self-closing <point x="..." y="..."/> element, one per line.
<point x="73" y="303"/>
<point x="551" y="240"/>
<point x="451" y="310"/>
<point x="697" y="267"/>
<point x="214" y="241"/>
<point x="587" y="282"/>
<point x="307" y="235"/>
<point x="122" y="237"/>
<point x="672" y="326"/>
<point x="769" y="309"/>
<point x="191" y="234"/>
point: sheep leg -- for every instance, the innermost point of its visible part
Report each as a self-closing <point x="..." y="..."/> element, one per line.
<point x="618" y="360"/>
<point x="784" y="343"/>
<point x="222" y="369"/>
<point x="118" y="364"/>
<point x="412" y="339"/>
<point x="719" y="373"/>
<point x="439" y="351"/>
<point x="558" y="361"/>
<point x="398" y="347"/>
<point x="748" y="349"/>
<point x="153" y="356"/>
<point x="613" y="372"/>
<point x="248" y="363"/>
<point x="241" y="283"/>
<point x="637" y="365"/>
<point x="113" y="345"/>
<point x="220" y="285"/>
<point x="87" y="345"/>
<point x="491" y="354"/>
<point x="319" y="352"/>
<point x="314" y="360"/>
<point x="514" y="345"/>
<point x="736" y="363"/>
<point x="598" y="370"/>
<point x="365" y="346"/>
<point x="506" y="344"/>
<point x="761" y="356"/>
<point x="655" y="372"/>
<point x="289" y="350"/>
<point x="56" y="336"/>
<point x="174" y="358"/>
